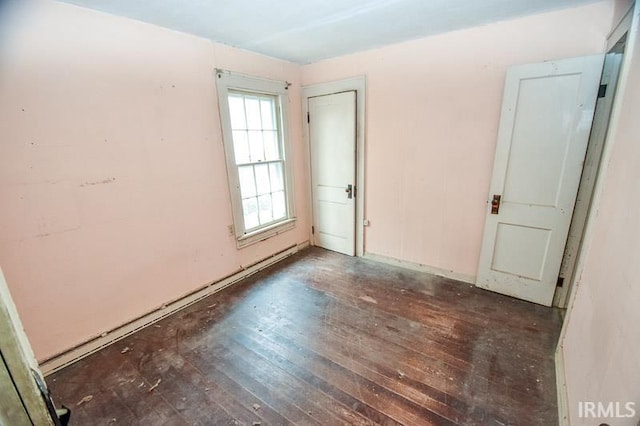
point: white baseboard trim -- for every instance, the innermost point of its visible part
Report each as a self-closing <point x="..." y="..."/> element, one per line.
<point x="66" y="358"/>
<point x="470" y="279"/>
<point x="561" y="389"/>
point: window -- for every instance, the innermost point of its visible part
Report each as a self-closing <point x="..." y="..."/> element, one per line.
<point x="254" y="127"/>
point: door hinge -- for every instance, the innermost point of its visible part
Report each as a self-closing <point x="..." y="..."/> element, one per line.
<point x="308" y="119"/>
<point x="602" y="91"/>
<point x="313" y="230"/>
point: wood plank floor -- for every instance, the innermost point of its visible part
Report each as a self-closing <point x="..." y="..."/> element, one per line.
<point x="327" y="339"/>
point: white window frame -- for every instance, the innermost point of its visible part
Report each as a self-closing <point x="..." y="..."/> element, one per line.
<point x="225" y="82"/>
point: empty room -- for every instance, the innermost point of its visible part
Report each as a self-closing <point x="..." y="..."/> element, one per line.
<point x="416" y="212"/>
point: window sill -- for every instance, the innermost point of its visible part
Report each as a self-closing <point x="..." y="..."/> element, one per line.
<point x="268" y="232"/>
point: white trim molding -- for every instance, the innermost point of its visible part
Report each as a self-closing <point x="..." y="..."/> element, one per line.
<point x="64" y="359"/>
<point x="561" y="388"/>
<point x="21" y="394"/>
<point x="357" y="84"/>
<point x="621" y="28"/>
<point x="445" y="273"/>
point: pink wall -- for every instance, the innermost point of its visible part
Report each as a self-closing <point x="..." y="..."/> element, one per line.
<point x="112" y="176"/>
<point x="620" y="7"/>
<point x="601" y="347"/>
<point x="433" y="107"/>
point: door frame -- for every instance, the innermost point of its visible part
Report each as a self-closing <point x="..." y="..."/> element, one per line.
<point x="20" y="361"/>
<point x="626" y="27"/>
<point x="357" y="84"/>
<point x="629" y="26"/>
<point x="591" y="165"/>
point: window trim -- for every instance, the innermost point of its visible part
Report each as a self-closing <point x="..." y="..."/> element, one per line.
<point x="227" y="81"/>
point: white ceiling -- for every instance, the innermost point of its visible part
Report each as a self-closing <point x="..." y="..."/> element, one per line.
<point x="306" y="31"/>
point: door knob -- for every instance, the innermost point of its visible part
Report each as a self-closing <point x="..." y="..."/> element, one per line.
<point x="349" y="191"/>
<point x="495" y="204"/>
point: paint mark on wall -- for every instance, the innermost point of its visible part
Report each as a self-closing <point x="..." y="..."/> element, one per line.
<point x="100" y="182"/>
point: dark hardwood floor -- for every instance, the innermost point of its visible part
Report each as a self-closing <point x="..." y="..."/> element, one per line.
<point x="328" y="339"/>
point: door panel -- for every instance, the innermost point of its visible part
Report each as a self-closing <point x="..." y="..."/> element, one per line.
<point x="332" y="136"/>
<point x="538" y="152"/>
<point x="520" y="260"/>
<point x="544" y="129"/>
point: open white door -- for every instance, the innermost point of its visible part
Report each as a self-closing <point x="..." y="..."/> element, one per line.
<point x="546" y="119"/>
<point x="332" y="138"/>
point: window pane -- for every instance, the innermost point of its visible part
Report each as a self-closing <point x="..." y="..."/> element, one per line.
<point x="271" y="151"/>
<point x="279" y="205"/>
<point x="241" y="146"/>
<point x="252" y="106"/>
<point x="250" y="211"/>
<point x="259" y="157"/>
<point x="256" y="146"/>
<point x="236" y="110"/>
<point x="276" y="175"/>
<point x="268" y="114"/>
<point x="266" y="210"/>
<point x="262" y="179"/>
<point x="247" y="183"/>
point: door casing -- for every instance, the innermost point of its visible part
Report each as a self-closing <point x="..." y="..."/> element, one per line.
<point x="19" y="360"/>
<point x="627" y="28"/>
<point x="357" y="84"/>
<point x="590" y="169"/>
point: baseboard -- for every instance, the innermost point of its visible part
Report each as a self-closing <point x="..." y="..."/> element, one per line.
<point x="422" y="268"/>
<point x="66" y="358"/>
<point x="561" y="389"/>
<point x="304" y="245"/>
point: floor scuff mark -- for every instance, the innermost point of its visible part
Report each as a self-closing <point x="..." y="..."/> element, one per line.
<point x="369" y="299"/>
<point x="84" y="400"/>
<point x="155" y="385"/>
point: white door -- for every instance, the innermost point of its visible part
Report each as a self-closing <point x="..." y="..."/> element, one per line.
<point x="332" y="138"/>
<point x="546" y="119"/>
